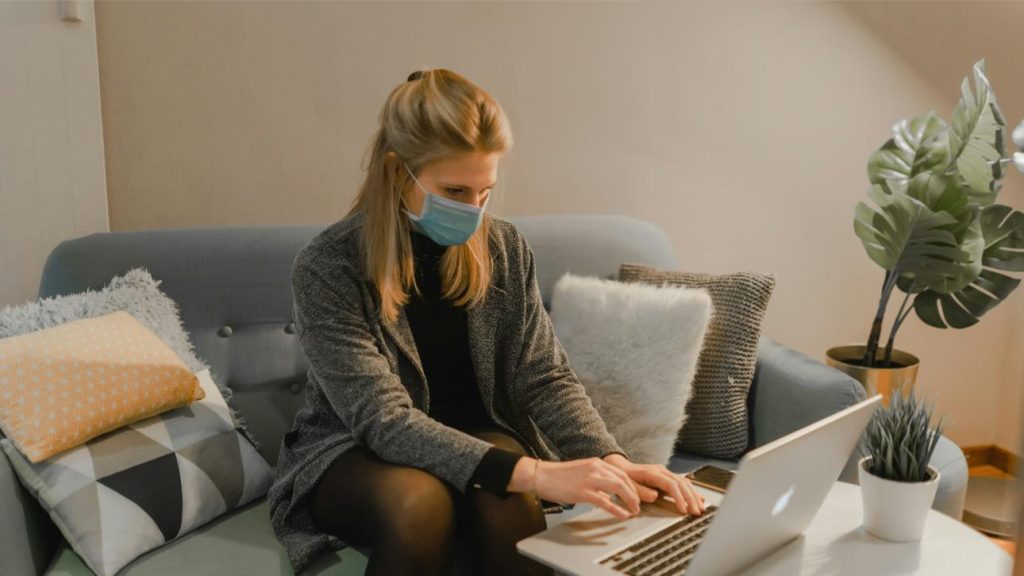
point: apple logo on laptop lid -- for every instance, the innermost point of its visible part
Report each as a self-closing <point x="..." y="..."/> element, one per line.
<point x="783" y="501"/>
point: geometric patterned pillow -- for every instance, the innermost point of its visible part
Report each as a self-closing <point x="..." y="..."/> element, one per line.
<point x="141" y="486"/>
<point x="717" y="417"/>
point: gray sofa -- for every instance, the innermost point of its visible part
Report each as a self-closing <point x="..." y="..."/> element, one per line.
<point x="239" y="277"/>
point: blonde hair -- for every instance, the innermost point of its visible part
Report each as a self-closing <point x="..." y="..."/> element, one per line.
<point x="435" y="114"/>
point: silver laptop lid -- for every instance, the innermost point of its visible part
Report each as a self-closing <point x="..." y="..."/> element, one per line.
<point x="778" y="489"/>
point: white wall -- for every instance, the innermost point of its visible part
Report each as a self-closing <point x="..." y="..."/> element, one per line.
<point x="742" y="129"/>
<point x="52" y="181"/>
<point x="1010" y="429"/>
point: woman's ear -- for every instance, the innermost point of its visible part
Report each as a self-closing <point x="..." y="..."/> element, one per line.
<point x="391" y="159"/>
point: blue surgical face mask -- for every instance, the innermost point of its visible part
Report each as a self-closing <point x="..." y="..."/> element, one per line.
<point x="446" y="222"/>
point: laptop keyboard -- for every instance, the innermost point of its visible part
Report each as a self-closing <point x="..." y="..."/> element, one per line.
<point x="667" y="551"/>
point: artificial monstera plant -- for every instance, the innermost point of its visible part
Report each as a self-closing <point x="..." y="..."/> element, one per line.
<point x="937" y="229"/>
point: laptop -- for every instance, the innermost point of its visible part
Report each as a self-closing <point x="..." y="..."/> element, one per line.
<point x="776" y="492"/>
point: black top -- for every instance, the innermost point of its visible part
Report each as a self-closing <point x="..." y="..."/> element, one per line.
<point x="442" y="339"/>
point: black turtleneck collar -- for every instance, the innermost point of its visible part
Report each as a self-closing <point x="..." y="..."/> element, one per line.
<point x="424" y="247"/>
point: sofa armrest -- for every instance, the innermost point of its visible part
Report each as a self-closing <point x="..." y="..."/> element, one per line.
<point x="792" y="390"/>
<point x="28" y="538"/>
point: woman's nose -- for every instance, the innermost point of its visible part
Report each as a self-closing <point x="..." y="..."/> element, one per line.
<point x="480" y="199"/>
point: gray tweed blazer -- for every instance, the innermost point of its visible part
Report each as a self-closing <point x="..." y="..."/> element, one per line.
<point x="367" y="386"/>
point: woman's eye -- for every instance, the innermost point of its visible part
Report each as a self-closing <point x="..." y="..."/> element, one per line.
<point x="454" y="191"/>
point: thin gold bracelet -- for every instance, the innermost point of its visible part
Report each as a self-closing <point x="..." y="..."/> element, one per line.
<point x="536" y="462"/>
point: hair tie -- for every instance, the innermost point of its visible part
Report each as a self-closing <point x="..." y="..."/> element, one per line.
<point x="414" y="76"/>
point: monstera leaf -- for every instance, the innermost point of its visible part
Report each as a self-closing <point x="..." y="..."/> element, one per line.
<point x="976" y="139"/>
<point x="944" y="193"/>
<point x="917" y="146"/>
<point x="1001" y="230"/>
<point x="1004" y="238"/>
<point x="905" y="235"/>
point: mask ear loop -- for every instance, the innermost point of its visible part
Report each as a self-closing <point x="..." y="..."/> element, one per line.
<point x="426" y="193"/>
<point x="402" y="204"/>
<point x="401" y="197"/>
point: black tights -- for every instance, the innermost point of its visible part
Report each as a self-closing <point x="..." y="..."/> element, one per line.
<point x="409" y="516"/>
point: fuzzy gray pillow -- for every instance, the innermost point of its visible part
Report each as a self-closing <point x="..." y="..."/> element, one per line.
<point x="137" y="293"/>
<point x="717" y="420"/>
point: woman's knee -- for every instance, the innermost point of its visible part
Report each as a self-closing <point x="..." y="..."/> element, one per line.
<point x="365" y="499"/>
<point x="421" y="509"/>
<point x="416" y="528"/>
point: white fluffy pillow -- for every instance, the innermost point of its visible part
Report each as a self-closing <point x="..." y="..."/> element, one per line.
<point x="635" y="349"/>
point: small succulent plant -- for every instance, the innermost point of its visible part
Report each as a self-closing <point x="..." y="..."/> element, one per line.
<point x="900" y="440"/>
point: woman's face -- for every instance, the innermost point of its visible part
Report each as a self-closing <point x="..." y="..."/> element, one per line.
<point x="466" y="178"/>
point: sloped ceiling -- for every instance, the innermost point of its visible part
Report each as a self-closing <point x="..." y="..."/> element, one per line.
<point x="942" y="40"/>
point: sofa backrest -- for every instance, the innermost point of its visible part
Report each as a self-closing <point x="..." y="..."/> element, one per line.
<point x="232" y="286"/>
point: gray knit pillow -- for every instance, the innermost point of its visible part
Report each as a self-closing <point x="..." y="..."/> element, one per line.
<point x="717" y="420"/>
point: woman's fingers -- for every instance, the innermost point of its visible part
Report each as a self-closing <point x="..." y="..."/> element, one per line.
<point x="625" y="479"/>
<point x="612" y="484"/>
<point x="695" y="499"/>
<point x="700" y="496"/>
<point x="647" y="494"/>
<point x="604" y="501"/>
<point x="643" y="492"/>
<point x="670" y="486"/>
<point x="669" y="482"/>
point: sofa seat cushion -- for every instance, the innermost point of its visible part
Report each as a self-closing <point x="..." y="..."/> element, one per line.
<point x="238" y="543"/>
<point x="243" y="543"/>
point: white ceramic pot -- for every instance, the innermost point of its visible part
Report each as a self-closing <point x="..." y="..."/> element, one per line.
<point x="894" y="510"/>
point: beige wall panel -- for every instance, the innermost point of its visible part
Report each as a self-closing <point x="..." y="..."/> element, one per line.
<point x="742" y="129"/>
<point x="52" y="181"/>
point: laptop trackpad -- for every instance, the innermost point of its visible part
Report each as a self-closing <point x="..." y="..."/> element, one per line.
<point x="599" y="528"/>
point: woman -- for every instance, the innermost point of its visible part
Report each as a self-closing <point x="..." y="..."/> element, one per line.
<point x="418" y="284"/>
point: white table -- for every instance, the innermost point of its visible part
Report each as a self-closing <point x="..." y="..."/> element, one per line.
<point x="835" y="544"/>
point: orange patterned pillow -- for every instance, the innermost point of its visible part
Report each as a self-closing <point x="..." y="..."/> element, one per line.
<point x="63" y="386"/>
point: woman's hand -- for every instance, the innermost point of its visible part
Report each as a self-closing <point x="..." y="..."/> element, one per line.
<point x="595" y="481"/>
<point x="645" y="476"/>
<point x="586" y="480"/>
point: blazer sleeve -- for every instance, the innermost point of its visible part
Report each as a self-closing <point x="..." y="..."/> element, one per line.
<point x="357" y="380"/>
<point x="553" y="395"/>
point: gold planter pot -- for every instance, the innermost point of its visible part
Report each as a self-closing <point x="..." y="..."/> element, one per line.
<point x="875" y="380"/>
